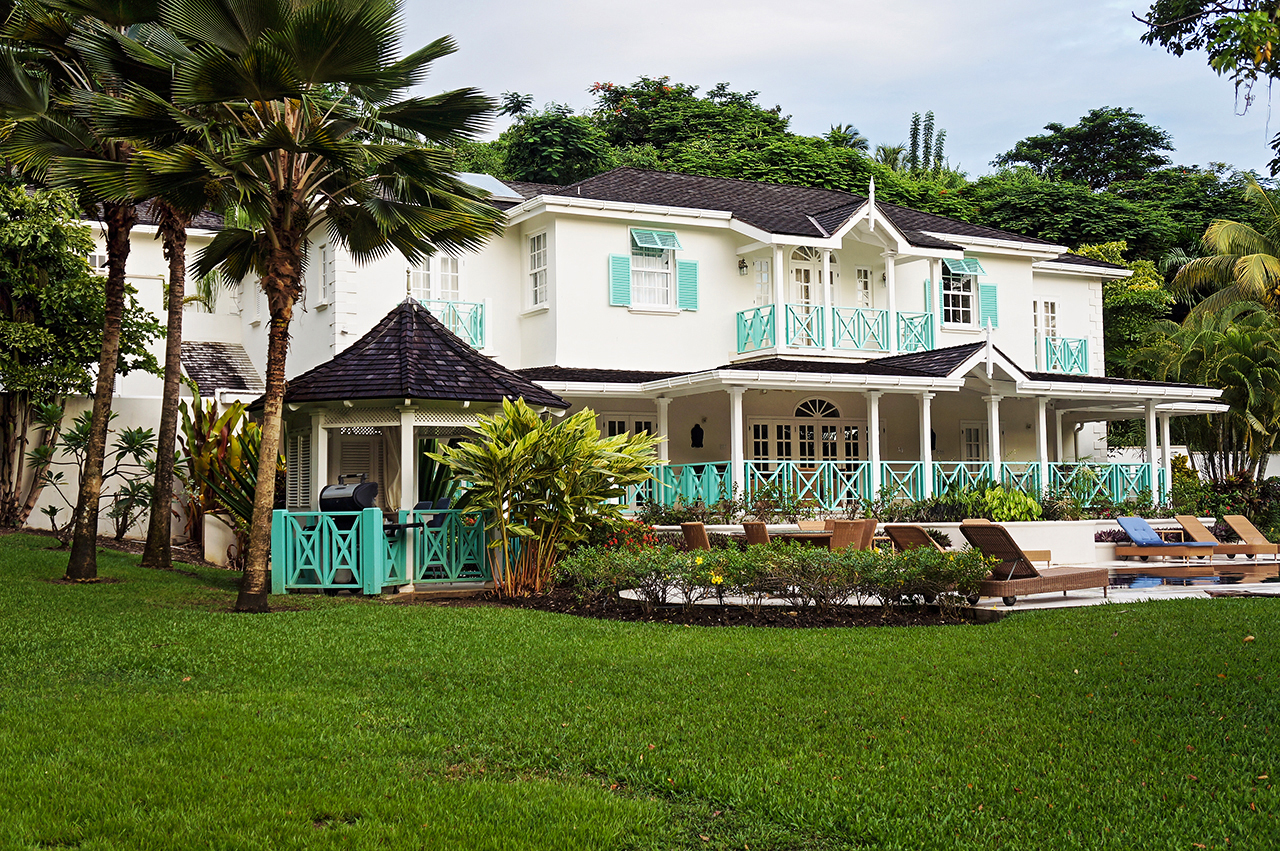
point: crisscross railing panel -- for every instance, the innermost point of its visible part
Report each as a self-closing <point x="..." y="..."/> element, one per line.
<point x="756" y="329"/>
<point x="805" y="326"/>
<point x="902" y="480"/>
<point x="915" y="332"/>
<point x="1067" y="354"/>
<point x="860" y="328"/>
<point x="463" y="318"/>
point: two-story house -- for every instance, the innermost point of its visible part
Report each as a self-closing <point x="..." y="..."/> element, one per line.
<point x="773" y="334"/>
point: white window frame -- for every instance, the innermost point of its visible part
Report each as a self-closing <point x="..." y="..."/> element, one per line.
<point x="764" y="282"/>
<point x="427" y="280"/>
<point x="862" y="287"/>
<point x="97" y="261"/>
<point x="984" y="441"/>
<point x="538" y="292"/>
<point x="328" y="274"/>
<point x="967" y="301"/>
<point x="630" y="422"/>
<point x="653" y="278"/>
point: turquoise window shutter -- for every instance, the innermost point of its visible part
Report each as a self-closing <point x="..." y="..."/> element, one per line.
<point x="928" y="296"/>
<point x="687" y="284"/>
<point x="964" y="266"/>
<point x="620" y="280"/>
<point x="988" y="306"/>
<point x="663" y="239"/>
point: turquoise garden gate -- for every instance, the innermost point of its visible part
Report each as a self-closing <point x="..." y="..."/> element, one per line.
<point x="355" y="551"/>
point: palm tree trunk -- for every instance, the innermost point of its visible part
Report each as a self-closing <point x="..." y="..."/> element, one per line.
<point x="281" y="284"/>
<point x="83" y="564"/>
<point x="172" y="225"/>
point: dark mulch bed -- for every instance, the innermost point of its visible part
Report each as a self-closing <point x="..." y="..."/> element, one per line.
<point x="567" y="602"/>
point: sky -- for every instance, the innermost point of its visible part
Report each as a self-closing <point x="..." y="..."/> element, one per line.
<point x="992" y="71"/>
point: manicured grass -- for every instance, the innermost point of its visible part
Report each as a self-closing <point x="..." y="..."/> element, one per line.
<point x="144" y="715"/>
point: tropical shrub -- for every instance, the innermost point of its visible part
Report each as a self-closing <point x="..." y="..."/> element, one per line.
<point x="544" y="484"/>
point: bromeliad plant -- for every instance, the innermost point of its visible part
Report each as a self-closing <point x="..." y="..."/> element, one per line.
<point x="543" y="484"/>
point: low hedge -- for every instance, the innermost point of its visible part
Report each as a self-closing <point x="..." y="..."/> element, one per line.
<point x="801" y="575"/>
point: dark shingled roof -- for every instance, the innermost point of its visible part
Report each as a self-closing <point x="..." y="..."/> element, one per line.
<point x="935" y="362"/>
<point x="410" y="355"/>
<point x="615" y="376"/>
<point x="1076" y="260"/>
<point x="828" y="367"/>
<point x="203" y="220"/>
<point x="793" y="210"/>
<point x="219" y="366"/>
<point x="529" y="189"/>
<point x="1070" y="378"/>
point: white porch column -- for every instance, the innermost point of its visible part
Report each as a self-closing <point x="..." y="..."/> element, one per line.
<point x="779" y="295"/>
<point x="1166" y="456"/>
<point x="1153" y="460"/>
<point x="737" y="457"/>
<point x="993" y="434"/>
<point x="408" y="463"/>
<point x="1042" y="441"/>
<point x="873" y="440"/>
<point x="664" y="432"/>
<point x="1057" y="423"/>
<point x="890" y="281"/>
<point x="319" y="458"/>
<point x="828" y="299"/>
<point x="935" y="298"/>
<point x="926" y="443"/>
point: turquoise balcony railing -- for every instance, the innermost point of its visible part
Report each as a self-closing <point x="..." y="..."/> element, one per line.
<point x="949" y="474"/>
<point x="756" y="329"/>
<point x="915" y="332"/>
<point x="1066" y="354"/>
<point x="463" y="318"/>
<point x="826" y="484"/>
<point x="806" y="326"/>
<point x="860" y="328"/>
<point x="1090" y="481"/>
<point x="1023" y="476"/>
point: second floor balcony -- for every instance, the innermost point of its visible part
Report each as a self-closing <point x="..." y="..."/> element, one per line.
<point x="811" y="327"/>
<point x="464" y="319"/>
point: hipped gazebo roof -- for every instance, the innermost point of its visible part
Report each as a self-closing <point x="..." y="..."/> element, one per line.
<point x="411" y="355"/>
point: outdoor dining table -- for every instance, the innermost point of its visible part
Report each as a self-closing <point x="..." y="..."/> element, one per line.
<point x="817" y="539"/>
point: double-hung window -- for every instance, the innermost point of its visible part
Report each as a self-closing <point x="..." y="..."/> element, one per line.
<point x="538" y="269"/>
<point x="435" y="279"/>
<point x="651" y="276"/>
<point x="328" y="275"/>
<point x="957" y="298"/>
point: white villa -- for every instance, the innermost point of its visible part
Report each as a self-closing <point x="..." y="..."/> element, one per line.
<point x="771" y="333"/>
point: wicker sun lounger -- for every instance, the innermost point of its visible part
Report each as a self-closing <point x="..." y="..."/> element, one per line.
<point x="1015" y="574"/>
<point x="1146" y="542"/>
<point x="852" y="534"/>
<point x="1251" y="536"/>
<point x="695" y="536"/>
<point x="906" y="537"/>
<point x="757" y="532"/>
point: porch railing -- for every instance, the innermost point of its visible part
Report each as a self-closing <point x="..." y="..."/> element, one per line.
<point x="463" y="318"/>
<point x="902" y="480"/>
<point x="827" y="484"/>
<point x="1023" y="476"/>
<point x="451" y="546"/>
<point x="756" y="329"/>
<point x="1066" y="354"/>
<point x="949" y="474"/>
<point x="1089" y="480"/>
<point x="860" y="328"/>
<point x="805" y="326"/>
<point x="915" y="332"/>
<point x="673" y="483"/>
<point x="352" y="550"/>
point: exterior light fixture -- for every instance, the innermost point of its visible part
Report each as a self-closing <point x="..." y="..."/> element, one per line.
<point x="742" y="266"/>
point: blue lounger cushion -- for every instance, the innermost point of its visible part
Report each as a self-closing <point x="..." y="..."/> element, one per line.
<point x="1141" y="533"/>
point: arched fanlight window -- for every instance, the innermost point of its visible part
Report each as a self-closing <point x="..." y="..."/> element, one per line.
<point x="817" y="408"/>
<point x="805" y="254"/>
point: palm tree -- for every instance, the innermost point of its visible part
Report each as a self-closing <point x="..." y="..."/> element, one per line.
<point x="1236" y="349"/>
<point x="300" y="129"/>
<point x="894" y="156"/>
<point x="49" y="66"/>
<point x="847" y="136"/>
<point x="1241" y="262"/>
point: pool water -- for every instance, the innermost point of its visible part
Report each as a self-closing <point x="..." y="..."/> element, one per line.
<point x="1147" y="576"/>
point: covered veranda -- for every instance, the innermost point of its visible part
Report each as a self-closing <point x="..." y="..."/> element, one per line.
<point x="366" y="415"/>
<point x="904" y="427"/>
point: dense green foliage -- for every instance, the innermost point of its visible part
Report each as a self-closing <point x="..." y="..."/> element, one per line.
<point x="554" y="146"/>
<point x="543" y="484"/>
<point x="1130" y="306"/>
<point x="1108" y="144"/>
<point x="347" y="724"/>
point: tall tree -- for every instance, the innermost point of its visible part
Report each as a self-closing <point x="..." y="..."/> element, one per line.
<point x="554" y="146"/>
<point x="292" y="94"/>
<point x="1108" y="144"/>
<point x="48" y="71"/>
<point x="847" y="136"/>
<point x="51" y="310"/>
<point x="661" y="113"/>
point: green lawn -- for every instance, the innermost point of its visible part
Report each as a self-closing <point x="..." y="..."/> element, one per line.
<point x="143" y="715"/>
